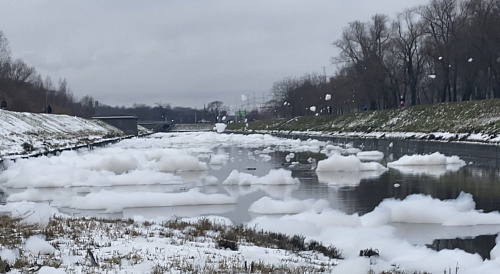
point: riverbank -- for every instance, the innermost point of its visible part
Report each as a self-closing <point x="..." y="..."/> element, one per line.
<point x="25" y="134"/>
<point x="471" y="121"/>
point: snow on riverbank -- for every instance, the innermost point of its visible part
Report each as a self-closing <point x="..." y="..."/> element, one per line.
<point x="23" y="133"/>
<point x="436" y="136"/>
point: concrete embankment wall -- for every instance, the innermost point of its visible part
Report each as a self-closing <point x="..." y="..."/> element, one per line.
<point x="481" y="153"/>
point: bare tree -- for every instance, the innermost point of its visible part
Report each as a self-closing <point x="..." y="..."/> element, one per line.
<point x="281" y="91"/>
<point x="480" y="50"/>
<point x="363" y="47"/>
<point x="4" y="56"/>
<point x="215" y="108"/>
<point x="21" y="72"/>
<point x="444" y="20"/>
<point x="87" y="105"/>
<point x="409" y="34"/>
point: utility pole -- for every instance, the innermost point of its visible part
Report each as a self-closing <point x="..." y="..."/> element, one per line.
<point x="254" y="103"/>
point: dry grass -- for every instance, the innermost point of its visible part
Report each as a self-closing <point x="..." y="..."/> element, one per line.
<point x="480" y="116"/>
<point x="74" y="236"/>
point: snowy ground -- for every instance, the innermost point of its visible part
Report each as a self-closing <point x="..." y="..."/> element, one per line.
<point x="23" y="133"/>
<point x="37" y="187"/>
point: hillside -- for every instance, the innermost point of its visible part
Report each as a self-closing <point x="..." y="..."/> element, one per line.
<point x="23" y="133"/>
<point x="470" y="121"/>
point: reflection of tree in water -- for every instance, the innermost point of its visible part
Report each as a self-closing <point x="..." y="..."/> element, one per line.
<point x="481" y="245"/>
<point x="3" y="197"/>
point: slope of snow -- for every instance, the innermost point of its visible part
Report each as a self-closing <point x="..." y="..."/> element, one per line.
<point x="23" y="133"/>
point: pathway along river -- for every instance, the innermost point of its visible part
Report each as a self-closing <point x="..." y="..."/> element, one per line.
<point x="355" y="193"/>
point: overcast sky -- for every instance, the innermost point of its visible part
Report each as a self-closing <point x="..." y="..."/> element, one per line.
<point x="181" y="52"/>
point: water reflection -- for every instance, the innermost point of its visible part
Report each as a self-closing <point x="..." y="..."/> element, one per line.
<point x="481" y="245"/>
<point x="274" y="191"/>
<point x="431" y="170"/>
<point x="349" y="192"/>
<point x="346" y="178"/>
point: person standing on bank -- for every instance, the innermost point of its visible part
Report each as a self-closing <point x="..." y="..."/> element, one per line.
<point x="49" y="109"/>
<point x="3" y="105"/>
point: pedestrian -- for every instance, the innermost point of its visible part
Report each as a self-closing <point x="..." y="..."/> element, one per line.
<point x="49" y="109"/>
<point x="402" y="102"/>
<point x="3" y="105"/>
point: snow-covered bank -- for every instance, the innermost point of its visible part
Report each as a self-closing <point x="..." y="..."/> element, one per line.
<point x="24" y="134"/>
<point x="432" y="136"/>
<point x="471" y="121"/>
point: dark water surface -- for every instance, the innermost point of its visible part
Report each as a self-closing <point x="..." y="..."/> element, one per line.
<point x="361" y="194"/>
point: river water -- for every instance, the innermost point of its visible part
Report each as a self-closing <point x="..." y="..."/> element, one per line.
<point x="354" y="193"/>
<point x="361" y="193"/>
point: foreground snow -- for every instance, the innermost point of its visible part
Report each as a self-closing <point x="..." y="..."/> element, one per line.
<point x="145" y="244"/>
<point x="108" y="178"/>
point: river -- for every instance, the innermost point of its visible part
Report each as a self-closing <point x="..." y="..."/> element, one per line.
<point x="355" y="193"/>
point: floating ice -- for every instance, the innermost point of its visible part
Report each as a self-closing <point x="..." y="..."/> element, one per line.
<point x="370" y="155"/>
<point x="112" y="199"/>
<point x="220" y="127"/>
<point x="219" y="159"/>
<point x="274" y="177"/>
<point x="421" y="209"/>
<point x="338" y="162"/>
<point x="425" y="160"/>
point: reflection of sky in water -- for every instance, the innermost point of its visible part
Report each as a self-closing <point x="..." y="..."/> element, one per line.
<point x="431" y="170"/>
<point x="278" y="191"/>
<point x="346" y="178"/>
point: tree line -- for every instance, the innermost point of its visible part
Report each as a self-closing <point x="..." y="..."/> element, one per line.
<point x="445" y="51"/>
<point x="164" y="112"/>
<point x="24" y="89"/>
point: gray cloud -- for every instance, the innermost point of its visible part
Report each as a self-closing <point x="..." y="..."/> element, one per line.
<point x="183" y="53"/>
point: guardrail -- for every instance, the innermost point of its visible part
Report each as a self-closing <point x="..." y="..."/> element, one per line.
<point x="192" y="127"/>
